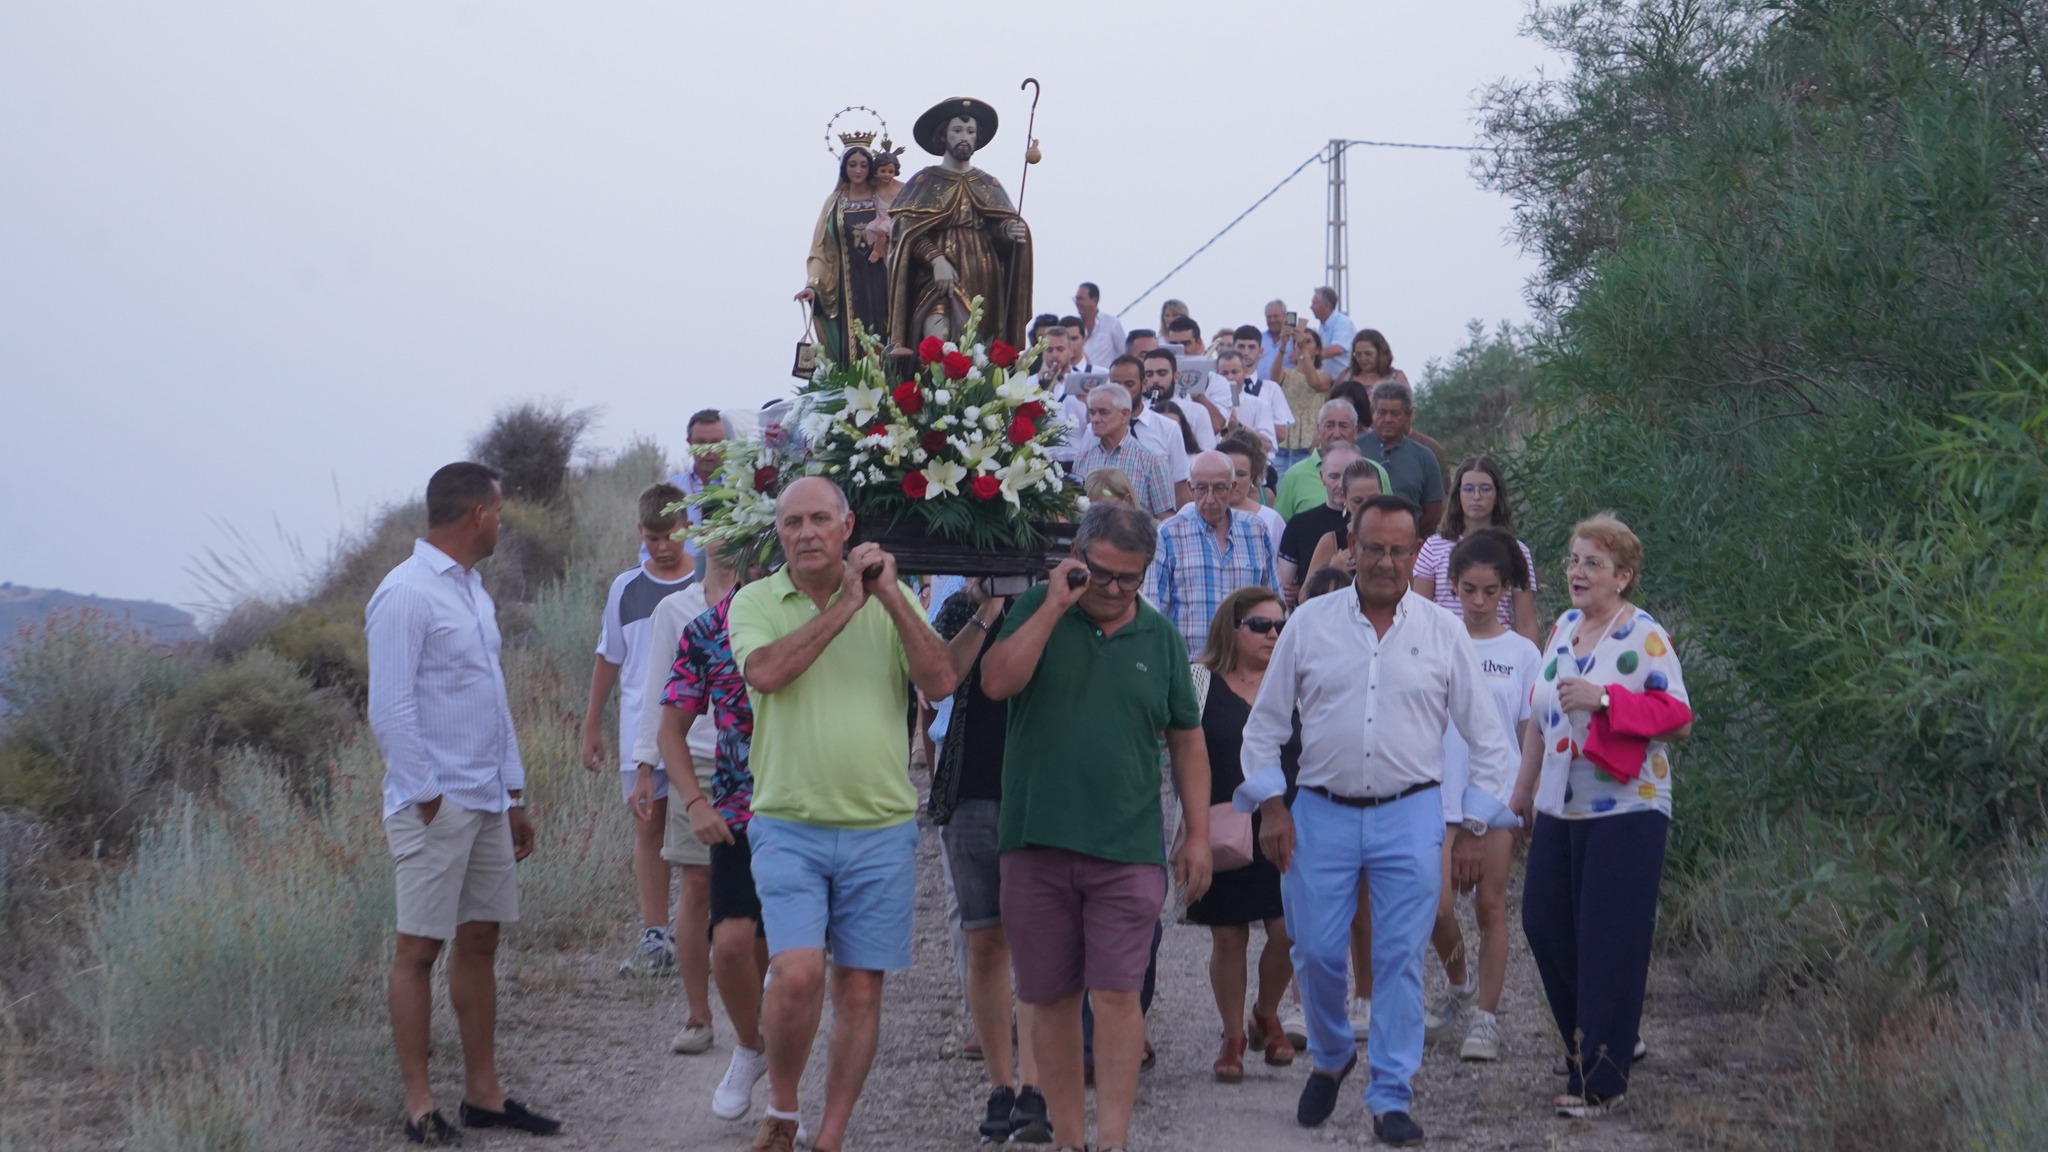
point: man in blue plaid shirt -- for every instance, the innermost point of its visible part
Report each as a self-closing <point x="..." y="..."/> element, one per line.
<point x="1206" y="551"/>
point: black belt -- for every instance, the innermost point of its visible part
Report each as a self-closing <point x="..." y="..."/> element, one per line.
<point x="1367" y="801"/>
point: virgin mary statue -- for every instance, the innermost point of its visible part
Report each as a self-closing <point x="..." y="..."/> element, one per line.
<point x="844" y="279"/>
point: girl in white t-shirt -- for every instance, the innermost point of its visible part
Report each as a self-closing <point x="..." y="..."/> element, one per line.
<point x="1485" y="567"/>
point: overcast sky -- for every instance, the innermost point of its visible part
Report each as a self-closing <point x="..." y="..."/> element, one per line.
<point x="270" y="264"/>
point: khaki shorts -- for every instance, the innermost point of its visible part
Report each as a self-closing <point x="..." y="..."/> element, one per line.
<point x="678" y="844"/>
<point x="457" y="870"/>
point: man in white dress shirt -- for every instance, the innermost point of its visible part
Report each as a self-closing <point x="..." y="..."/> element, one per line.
<point x="1374" y="675"/>
<point x="454" y="811"/>
<point x="1102" y="336"/>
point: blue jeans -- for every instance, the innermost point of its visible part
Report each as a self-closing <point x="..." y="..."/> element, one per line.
<point x="1395" y="850"/>
<point x="853" y="887"/>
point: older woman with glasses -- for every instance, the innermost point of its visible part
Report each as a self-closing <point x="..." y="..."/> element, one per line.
<point x="1596" y="784"/>
<point x="1479" y="499"/>
<point x="1227" y="679"/>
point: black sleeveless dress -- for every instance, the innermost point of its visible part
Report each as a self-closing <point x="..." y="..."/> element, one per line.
<point x="1252" y="893"/>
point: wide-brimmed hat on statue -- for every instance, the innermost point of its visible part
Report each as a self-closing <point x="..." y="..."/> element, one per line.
<point x="930" y="130"/>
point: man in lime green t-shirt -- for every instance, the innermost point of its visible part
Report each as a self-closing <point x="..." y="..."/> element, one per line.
<point x="1302" y="487"/>
<point x="826" y="650"/>
<point x="1093" y="675"/>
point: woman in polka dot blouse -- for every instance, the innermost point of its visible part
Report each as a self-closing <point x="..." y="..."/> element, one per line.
<point x="1589" y="897"/>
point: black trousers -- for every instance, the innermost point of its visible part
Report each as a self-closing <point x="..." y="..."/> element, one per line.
<point x="1589" y="909"/>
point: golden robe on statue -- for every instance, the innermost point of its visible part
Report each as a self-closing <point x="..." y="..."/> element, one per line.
<point x="965" y="218"/>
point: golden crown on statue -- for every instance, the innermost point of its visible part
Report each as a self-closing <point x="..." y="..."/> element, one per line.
<point x="856" y="139"/>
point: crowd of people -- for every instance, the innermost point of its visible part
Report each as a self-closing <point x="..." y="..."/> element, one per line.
<point x="1274" y="604"/>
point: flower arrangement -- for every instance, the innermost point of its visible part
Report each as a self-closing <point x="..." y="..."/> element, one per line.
<point x="958" y="449"/>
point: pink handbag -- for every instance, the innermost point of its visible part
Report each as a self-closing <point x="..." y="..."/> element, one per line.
<point x="1230" y="831"/>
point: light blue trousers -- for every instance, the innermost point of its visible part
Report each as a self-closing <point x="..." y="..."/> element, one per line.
<point x="1396" y="851"/>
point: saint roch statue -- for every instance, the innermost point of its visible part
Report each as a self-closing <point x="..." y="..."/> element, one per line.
<point x="955" y="237"/>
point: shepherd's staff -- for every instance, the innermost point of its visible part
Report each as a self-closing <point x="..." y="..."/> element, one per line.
<point x="1031" y="154"/>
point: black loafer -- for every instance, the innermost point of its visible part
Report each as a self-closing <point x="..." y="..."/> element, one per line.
<point x="1319" y="1095"/>
<point x="514" y="1116"/>
<point x="433" y="1128"/>
<point x="1397" y="1129"/>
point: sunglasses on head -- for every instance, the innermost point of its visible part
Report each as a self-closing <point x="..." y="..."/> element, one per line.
<point x="1261" y="625"/>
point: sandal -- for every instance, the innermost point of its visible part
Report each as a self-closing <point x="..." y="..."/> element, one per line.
<point x="1229" y="1064"/>
<point x="1587" y="1107"/>
<point x="1265" y="1032"/>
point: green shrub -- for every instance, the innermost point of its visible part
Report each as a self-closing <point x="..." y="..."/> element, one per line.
<point x="1472" y="403"/>
<point x="531" y="446"/>
<point x="533" y="551"/>
<point x="236" y="913"/>
<point x="262" y="702"/>
<point x="361" y="559"/>
<point x="259" y="1100"/>
<point x="325" y="639"/>
<point x="85" y="741"/>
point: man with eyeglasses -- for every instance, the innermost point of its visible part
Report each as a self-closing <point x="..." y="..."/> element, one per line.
<point x="1102" y="337"/>
<point x="1094" y="676"/>
<point x="1111" y="445"/>
<point x="1206" y="552"/>
<point x="1374" y="675"/>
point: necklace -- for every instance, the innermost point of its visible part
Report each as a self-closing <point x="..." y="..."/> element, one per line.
<point x="1245" y="684"/>
<point x="1580" y="633"/>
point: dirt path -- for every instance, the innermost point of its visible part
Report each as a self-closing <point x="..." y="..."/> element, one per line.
<point x="591" y="1047"/>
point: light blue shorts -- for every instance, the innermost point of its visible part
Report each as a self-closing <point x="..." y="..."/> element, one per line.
<point x="846" y="890"/>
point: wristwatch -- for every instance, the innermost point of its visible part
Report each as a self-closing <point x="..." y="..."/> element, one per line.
<point x="1474" y="825"/>
<point x="1603" y="701"/>
<point x="515" y="801"/>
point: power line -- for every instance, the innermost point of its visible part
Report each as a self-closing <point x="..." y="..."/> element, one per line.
<point x="1320" y="154"/>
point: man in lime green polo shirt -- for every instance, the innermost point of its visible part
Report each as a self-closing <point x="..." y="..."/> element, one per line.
<point x="1093" y="675"/>
<point x="1302" y="486"/>
<point x="826" y="651"/>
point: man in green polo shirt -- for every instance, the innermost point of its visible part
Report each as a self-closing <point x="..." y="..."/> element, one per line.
<point x="826" y="650"/>
<point x="1302" y="486"/>
<point x="1415" y="472"/>
<point x="1093" y="676"/>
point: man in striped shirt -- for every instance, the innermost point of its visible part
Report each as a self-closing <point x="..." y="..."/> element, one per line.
<point x="1113" y="446"/>
<point x="1206" y="552"/>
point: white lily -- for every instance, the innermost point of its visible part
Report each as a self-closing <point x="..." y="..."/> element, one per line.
<point x="1021" y="388"/>
<point x="863" y="402"/>
<point x="944" y="476"/>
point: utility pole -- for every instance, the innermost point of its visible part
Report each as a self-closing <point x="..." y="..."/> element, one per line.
<point x="1337" y="257"/>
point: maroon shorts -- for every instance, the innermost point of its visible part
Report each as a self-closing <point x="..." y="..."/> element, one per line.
<point x="1076" y="922"/>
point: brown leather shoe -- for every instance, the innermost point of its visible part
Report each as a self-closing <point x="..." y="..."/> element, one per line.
<point x="775" y="1135"/>
<point x="1229" y="1064"/>
<point x="1266" y="1033"/>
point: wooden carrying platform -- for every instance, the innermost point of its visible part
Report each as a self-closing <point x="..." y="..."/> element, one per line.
<point x="919" y="554"/>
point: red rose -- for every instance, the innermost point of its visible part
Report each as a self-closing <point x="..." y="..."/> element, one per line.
<point x="764" y="478"/>
<point x="934" y="442"/>
<point x="1001" y="355"/>
<point x="877" y="426"/>
<point x="914" y="485"/>
<point x="908" y="399"/>
<point x="1030" y="410"/>
<point x="1021" y="431"/>
<point x="986" y="487"/>
<point x="958" y="366"/>
<point x="931" y="349"/>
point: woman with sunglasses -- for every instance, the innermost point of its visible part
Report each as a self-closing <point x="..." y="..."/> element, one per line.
<point x="1227" y="678"/>
<point x="1479" y="500"/>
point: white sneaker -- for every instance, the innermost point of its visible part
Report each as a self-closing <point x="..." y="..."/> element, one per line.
<point x="1361" y="1017"/>
<point x="1295" y="1026"/>
<point x="655" y="956"/>
<point x="735" y="1093"/>
<point x="694" y="1038"/>
<point x="1446" y="1017"/>
<point x="1482" y="1039"/>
